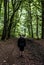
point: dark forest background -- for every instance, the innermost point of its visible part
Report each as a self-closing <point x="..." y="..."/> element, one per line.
<point x="25" y="17"/>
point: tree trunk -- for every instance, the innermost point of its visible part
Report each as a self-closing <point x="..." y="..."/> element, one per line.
<point x="42" y="19"/>
<point x="28" y="23"/>
<point x="37" y="26"/>
<point x="5" y="21"/>
<point x="31" y="21"/>
<point x="11" y="19"/>
<point x="7" y="17"/>
<point x="10" y="25"/>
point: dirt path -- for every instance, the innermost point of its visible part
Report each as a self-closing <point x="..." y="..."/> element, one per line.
<point x="9" y="53"/>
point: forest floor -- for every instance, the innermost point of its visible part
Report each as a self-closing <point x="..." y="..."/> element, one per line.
<point x="33" y="53"/>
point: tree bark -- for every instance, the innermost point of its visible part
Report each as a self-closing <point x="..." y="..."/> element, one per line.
<point x="11" y="19"/>
<point x="42" y="19"/>
<point x="5" y="20"/>
<point x="37" y="26"/>
<point x="31" y="21"/>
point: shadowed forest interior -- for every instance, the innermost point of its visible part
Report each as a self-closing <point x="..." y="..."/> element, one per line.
<point x="22" y="17"/>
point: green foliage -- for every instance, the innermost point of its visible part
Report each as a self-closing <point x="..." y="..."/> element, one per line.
<point x="22" y="20"/>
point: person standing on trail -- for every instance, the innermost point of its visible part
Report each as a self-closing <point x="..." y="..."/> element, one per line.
<point x="21" y="44"/>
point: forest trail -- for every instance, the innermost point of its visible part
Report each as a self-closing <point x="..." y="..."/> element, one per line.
<point x="33" y="53"/>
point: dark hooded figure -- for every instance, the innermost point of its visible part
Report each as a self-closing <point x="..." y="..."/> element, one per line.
<point x="21" y="44"/>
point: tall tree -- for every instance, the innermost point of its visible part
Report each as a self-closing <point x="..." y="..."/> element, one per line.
<point x="16" y="6"/>
<point x="30" y="19"/>
<point x="42" y="2"/>
<point x="5" y="20"/>
<point x="7" y="17"/>
<point x="7" y="29"/>
<point x="37" y="24"/>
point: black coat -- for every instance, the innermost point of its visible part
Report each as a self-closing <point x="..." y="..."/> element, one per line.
<point x="21" y="43"/>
